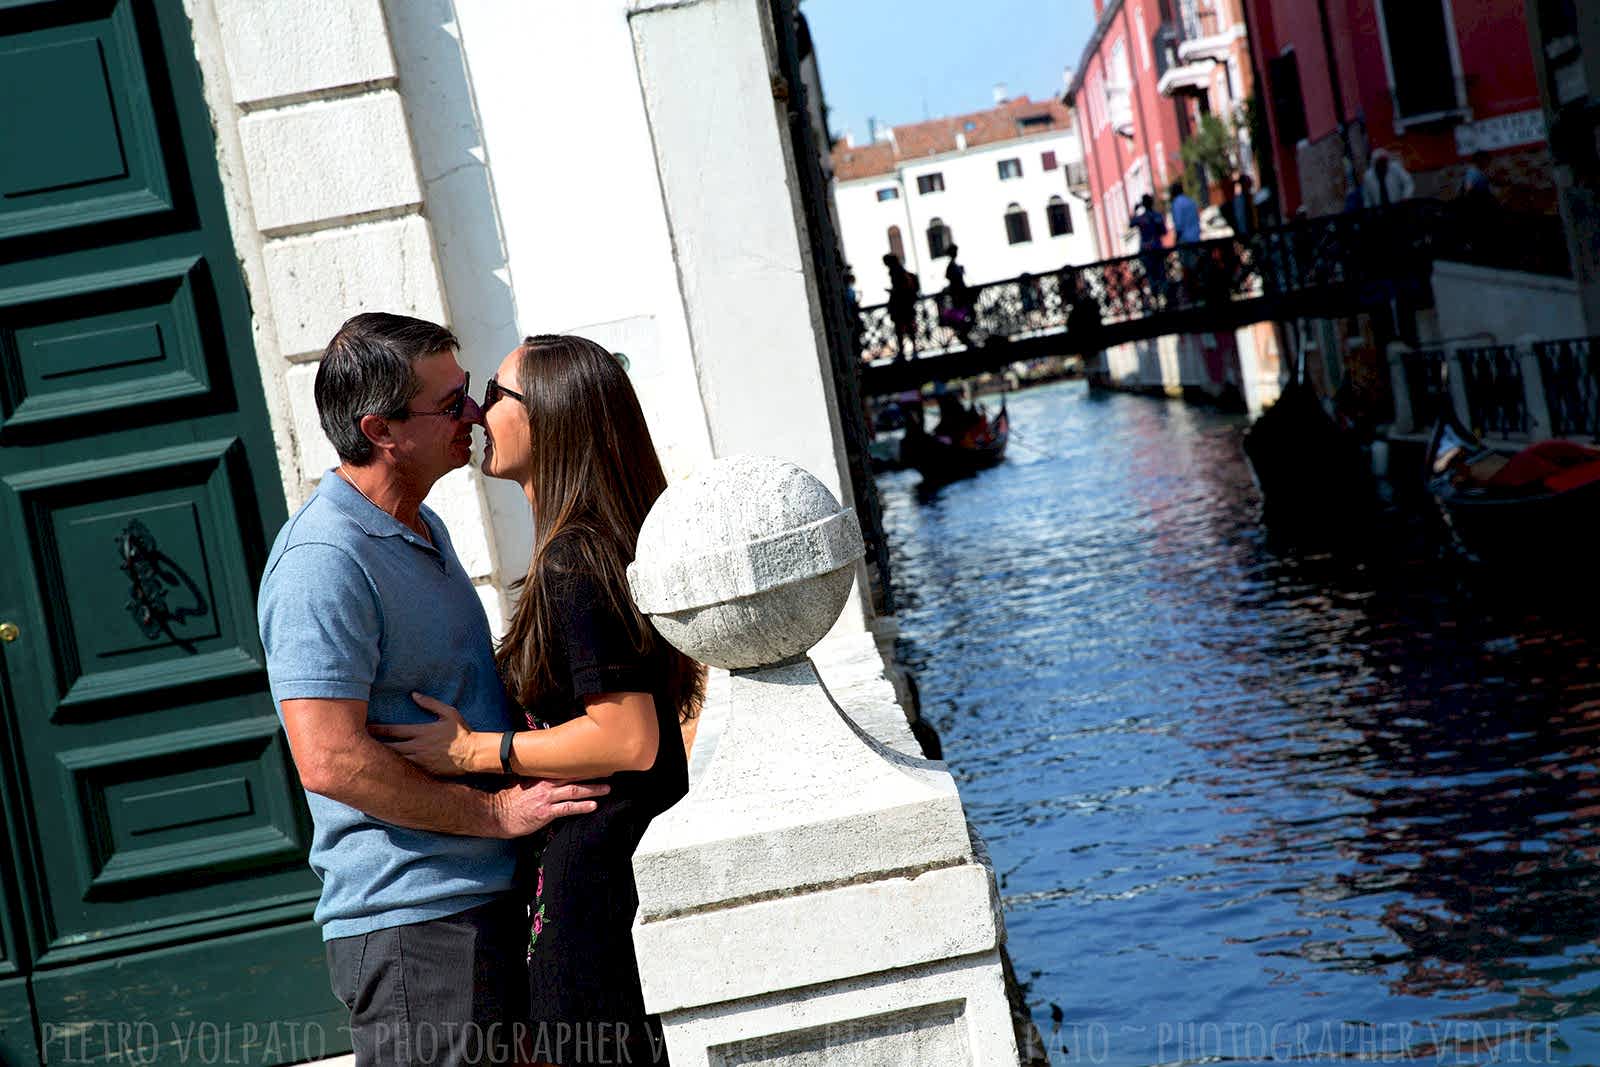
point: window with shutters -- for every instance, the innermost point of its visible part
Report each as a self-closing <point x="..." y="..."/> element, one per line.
<point x="1017" y="230"/>
<point x="1419" y="48"/>
<point x="1059" y="216"/>
<point x="1288" y="104"/>
<point x="897" y="245"/>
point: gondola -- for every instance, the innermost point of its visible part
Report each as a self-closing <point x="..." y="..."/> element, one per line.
<point x="1527" y="525"/>
<point x="942" y="458"/>
<point x="1313" y="475"/>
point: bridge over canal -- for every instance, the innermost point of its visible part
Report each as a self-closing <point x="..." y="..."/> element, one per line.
<point x="1325" y="267"/>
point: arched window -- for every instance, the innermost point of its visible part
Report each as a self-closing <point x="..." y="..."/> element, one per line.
<point x="1059" y="216"/>
<point x="1017" y="230"/>
<point x="897" y="245"/>
<point x="939" y="238"/>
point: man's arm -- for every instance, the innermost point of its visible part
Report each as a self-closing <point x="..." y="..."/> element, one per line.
<point x="338" y="759"/>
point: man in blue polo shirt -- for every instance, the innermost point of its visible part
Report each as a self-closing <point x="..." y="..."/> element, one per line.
<point x="364" y="603"/>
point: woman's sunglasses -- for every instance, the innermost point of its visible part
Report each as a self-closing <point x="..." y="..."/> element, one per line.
<point x="494" y="391"/>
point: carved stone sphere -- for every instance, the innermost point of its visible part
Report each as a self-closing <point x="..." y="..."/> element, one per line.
<point x="746" y="564"/>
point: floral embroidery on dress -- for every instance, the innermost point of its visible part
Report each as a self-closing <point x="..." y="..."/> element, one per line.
<point x="536" y="916"/>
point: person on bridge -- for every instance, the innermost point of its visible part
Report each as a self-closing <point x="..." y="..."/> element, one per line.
<point x="1185" y="215"/>
<point x="902" y="305"/>
<point x="1387" y="181"/>
<point x="1152" y="227"/>
<point x="1241" y="210"/>
<point x="960" y="313"/>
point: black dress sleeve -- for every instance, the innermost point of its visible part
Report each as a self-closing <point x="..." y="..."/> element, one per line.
<point x="599" y="655"/>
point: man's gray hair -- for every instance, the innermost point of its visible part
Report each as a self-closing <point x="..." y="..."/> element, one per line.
<point x="367" y="370"/>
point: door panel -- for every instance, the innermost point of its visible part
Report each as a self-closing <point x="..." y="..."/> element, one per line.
<point x="141" y="580"/>
<point x="18" y="1045"/>
<point x="260" y="998"/>
<point x="81" y="133"/>
<point x="99" y="343"/>
<point x="158" y="833"/>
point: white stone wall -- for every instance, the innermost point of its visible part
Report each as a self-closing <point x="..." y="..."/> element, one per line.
<point x="326" y="203"/>
<point x="569" y="156"/>
<point x="1504" y="305"/>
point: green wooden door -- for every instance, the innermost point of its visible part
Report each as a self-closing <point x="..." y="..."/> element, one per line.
<point x="155" y="892"/>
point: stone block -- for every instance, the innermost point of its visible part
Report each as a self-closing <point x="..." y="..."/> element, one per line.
<point x="494" y="608"/>
<point x="320" y="279"/>
<point x="458" y="500"/>
<point x="313" y="451"/>
<point x="796" y="797"/>
<point x="329" y="160"/>
<point x="808" y="939"/>
<point x="288" y="48"/>
<point x="951" y="1012"/>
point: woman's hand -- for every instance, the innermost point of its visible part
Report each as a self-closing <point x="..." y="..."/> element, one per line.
<point x="447" y="746"/>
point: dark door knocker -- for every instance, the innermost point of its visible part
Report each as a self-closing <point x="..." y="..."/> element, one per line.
<point x="150" y="572"/>
<point x="147" y="599"/>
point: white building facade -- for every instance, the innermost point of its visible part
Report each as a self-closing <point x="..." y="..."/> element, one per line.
<point x="994" y="183"/>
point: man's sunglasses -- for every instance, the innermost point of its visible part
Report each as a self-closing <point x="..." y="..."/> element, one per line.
<point x="494" y="391"/>
<point x="456" y="407"/>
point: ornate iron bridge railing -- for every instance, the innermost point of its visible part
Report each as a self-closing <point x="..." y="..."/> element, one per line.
<point x="1332" y="265"/>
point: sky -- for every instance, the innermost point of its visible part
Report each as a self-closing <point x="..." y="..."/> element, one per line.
<point x="905" y="60"/>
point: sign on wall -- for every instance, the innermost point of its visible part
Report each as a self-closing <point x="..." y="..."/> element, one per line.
<point x="1502" y="131"/>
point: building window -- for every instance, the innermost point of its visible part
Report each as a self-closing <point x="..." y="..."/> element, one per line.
<point x="1059" y="216"/>
<point x="939" y="238"/>
<point x="1288" y="105"/>
<point x="930" y="183"/>
<point x="1017" y="229"/>
<point x="897" y="245"/>
<point x="1047" y="161"/>
<point x="1009" y="169"/>
<point x="888" y="192"/>
<point x="1417" y="45"/>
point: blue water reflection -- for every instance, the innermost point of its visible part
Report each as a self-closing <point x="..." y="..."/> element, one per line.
<point x="1245" y="804"/>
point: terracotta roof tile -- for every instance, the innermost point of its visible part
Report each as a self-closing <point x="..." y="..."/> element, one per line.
<point x="1016" y="118"/>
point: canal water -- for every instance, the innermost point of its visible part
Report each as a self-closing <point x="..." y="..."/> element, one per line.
<point x="1246" y="805"/>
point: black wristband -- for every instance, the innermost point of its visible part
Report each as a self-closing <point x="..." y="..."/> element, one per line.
<point x="505" y="750"/>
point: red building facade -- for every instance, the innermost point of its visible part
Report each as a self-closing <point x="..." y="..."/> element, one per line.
<point x="1432" y="81"/>
<point x="1130" y="133"/>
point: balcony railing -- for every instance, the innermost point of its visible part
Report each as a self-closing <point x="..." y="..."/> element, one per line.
<point x="1497" y="396"/>
<point x="1571" y="385"/>
<point x="1509" y="392"/>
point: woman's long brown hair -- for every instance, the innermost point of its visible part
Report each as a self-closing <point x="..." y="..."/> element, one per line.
<point x="595" y="477"/>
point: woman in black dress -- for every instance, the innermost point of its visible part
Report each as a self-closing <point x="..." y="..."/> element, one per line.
<point x="604" y="696"/>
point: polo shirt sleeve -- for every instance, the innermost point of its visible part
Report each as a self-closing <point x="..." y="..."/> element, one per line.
<point x="321" y="625"/>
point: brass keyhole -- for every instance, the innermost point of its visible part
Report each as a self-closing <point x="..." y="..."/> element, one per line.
<point x="9" y="632"/>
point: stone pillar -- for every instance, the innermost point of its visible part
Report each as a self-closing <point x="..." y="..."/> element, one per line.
<point x="1455" y="380"/>
<point x="817" y="897"/>
<point x="1404" y="422"/>
<point x="1540" y="425"/>
<point x="745" y="271"/>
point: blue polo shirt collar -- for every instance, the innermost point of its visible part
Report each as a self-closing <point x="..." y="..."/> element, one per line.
<point x="373" y="520"/>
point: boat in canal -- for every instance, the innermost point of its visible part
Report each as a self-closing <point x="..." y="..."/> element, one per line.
<point x="1531" y="511"/>
<point x="965" y="441"/>
<point x="1313" y="475"/>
